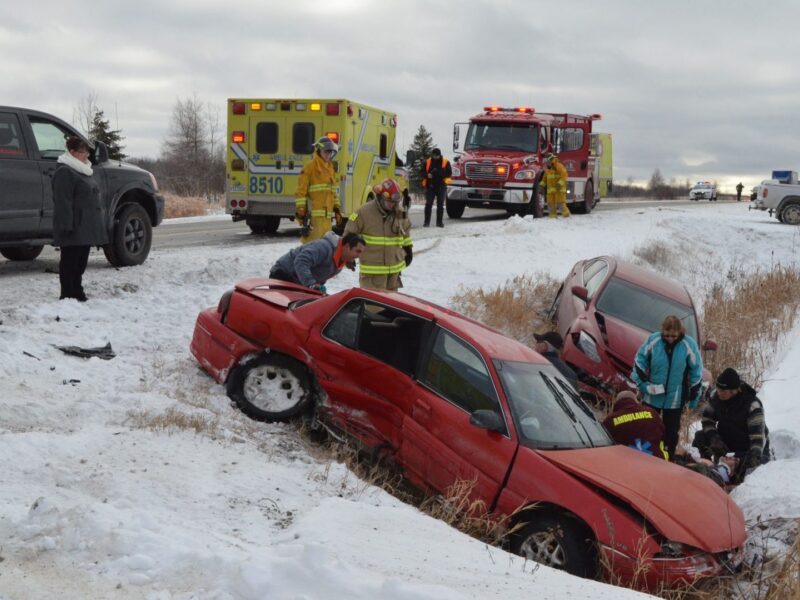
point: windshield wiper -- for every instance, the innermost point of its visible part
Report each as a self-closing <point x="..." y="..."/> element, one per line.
<point x="559" y="397"/>
<point x="576" y="398"/>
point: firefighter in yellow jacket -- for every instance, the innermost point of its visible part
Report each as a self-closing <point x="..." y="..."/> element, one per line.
<point x="556" y="182"/>
<point x="316" y="202"/>
<point x="387" y="231"/>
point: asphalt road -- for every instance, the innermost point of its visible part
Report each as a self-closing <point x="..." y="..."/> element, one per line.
<point x="223" y="232"/>
<point x="218" y="232"/>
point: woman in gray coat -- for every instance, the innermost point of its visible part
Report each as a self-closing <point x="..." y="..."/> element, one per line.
<point x="79" y="217"/>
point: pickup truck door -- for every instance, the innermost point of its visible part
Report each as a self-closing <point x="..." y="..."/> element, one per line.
<point x="440" y="445"/>
<point x="20" y="182"/>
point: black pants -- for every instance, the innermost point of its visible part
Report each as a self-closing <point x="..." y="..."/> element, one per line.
<point x="277" y="273"/>
<point x="70" y="271"/>
<point x="672" y="427"/>
<point x="440" y="194"/>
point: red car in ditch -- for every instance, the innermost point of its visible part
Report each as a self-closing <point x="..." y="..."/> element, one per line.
<point x="448" y="399"/>
<point x="604" y="311"/>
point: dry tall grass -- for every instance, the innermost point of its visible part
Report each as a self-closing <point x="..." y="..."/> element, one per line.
<point x="172" y="420"/>
<point x="517" y="308"/>
<point x="183" y="206"/>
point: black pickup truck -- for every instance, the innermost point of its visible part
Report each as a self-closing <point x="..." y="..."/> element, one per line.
<point x="30" y="143"/>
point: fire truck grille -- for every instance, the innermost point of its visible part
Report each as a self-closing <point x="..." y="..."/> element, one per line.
<point x="484" y="172"/>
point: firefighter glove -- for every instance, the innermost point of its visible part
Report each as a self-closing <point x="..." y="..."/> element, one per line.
<point x="300" y="214"/>
<point x="409" y="255"/>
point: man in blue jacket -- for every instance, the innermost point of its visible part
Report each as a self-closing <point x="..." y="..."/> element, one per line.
<point x="668" y="370"/>
<point x="312" y="264"/>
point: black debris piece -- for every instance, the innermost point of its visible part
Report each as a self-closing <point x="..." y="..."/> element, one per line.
<point x="106" y="353"/>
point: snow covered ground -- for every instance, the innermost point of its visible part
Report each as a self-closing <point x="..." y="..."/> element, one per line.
<point x="96" y="501"/>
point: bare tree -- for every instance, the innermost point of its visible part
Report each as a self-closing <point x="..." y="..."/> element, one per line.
<point x="83" y="114"/>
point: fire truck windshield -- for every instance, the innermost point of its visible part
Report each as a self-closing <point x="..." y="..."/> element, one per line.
<point x="522" y="137"/>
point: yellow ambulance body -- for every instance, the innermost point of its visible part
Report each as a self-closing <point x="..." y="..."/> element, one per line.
<point x="271" y="139"/>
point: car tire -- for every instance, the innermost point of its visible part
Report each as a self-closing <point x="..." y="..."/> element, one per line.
<point x="790" y="214"/>
<point x="131" y="237"/>
<point x="264" y="225"/>
<point x="558" y="541"/>
<point x="271" y="387"/>
<point x="455" y="210"/>
<point x="21" y="252"/>
<point x="585" y="207"/>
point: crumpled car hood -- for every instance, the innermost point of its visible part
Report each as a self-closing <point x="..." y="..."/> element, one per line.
<point x="685" y="507"/>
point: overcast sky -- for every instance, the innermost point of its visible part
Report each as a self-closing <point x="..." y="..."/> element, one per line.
<point x="699" y="89"/>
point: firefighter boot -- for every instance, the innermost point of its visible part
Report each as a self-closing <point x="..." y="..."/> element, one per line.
<point x="551" y="207"/>
<point x="564" y="209"/>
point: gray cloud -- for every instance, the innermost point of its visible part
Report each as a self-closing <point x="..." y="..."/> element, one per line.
<point x="698" y="89"/>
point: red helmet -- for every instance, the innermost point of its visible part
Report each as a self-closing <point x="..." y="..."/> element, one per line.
<point x="387" y="189"/>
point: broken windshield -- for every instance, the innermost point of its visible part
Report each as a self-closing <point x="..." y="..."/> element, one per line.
<point x="547" y="411"/>
<point x="502" y="136"/>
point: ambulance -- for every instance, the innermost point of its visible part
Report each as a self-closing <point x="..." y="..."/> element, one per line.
<point x="600" y="148"/>
<point x="269" y="140"/>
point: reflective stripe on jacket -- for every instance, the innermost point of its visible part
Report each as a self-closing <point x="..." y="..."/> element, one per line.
<point x="556" y="178"/>
<point x="439" y="175"/>
<point x="387" y="235"/>
<point x="316" y="187"/>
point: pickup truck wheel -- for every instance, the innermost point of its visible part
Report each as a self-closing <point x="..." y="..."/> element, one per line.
<point x="21" y="252"/>
<point x="455" y="210"/>
<point x="131" y="237"/>
<point x="560" y="542"/>
<point x="271" y="388"/>
<point x="791" y="214"/>
<point x="264" y="225"/>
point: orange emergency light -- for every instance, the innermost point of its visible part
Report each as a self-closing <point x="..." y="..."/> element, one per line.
<point x="237" y="137"/>
<point x="333" y="136"/>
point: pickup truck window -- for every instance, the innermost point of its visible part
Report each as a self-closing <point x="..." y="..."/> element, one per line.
<point x="11" y="142"/>
<point x="50" y="138"/>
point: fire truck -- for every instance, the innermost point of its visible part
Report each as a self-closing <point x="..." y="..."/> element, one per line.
<point x="500" y="160"/>
<point x="271" y="139"/>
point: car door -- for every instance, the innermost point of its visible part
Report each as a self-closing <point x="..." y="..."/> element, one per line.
<point x="366" y="356"/>
<point x="20" y="182"/>
<point x="440" y="446"/>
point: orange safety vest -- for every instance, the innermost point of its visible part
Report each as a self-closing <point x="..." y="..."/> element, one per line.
<point x="446" y="180"/>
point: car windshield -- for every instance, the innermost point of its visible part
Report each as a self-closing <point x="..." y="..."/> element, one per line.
<point x="643" y="308"/>
<point x="548" y="412"/>
<point x="703" y="186"/>
<point x="502" y="136"/>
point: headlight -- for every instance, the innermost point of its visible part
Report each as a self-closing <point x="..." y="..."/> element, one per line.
<point x="588" y="346"/>
<point x="526" y="175"/>
<point x="456" y="171"/>
<point x="672" y="550"/>
<point x="153" y="181"/>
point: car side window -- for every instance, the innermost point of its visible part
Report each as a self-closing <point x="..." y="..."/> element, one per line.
<point x="593" y="276"/>
<point x="383" y="332"/>
<point x="457" y="371"/>
<point x="50" y="138"/>
<point x="11" y="142"/>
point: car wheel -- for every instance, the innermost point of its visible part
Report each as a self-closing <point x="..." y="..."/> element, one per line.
<point x="271" y="388"/>
<point x="455" y="210"/>
<point x="131" y="237"/>
<point x="264" y="225"/>
<point x="791" y="214"/>
<point x="21" y="252"/>
<point x="560" y="542"/>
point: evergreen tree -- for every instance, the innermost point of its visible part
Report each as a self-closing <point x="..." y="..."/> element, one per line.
<point x="421" y="147"/>
<point x="100" y="130"/>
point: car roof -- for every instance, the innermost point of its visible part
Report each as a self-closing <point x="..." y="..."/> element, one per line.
<point x="661" y="285"/>
<point x="494" y="343"/>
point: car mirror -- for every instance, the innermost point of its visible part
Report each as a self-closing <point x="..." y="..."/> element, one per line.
<point x="100" y="153"/>
<point x="710" y="346"/>
<point x="581" y="292"/>
<point x="488" y="419"/>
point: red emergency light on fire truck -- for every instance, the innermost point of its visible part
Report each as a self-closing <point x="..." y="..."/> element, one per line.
<point x="500" y="160"/>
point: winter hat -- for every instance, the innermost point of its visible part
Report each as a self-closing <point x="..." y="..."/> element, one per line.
<point x="551" y="337"/>
<point x="436" y="152"/>
<point x="728" y="380"/>
<point x="626" y="395"/>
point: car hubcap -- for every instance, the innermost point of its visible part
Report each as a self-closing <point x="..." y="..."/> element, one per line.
<point x="272" y="389"/>
<point x="544" y="547"/>
<point x="791" y="215"/>
<point x="134" y="235"/>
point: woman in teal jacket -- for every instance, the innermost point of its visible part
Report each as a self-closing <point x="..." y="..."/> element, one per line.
<point x="668" y="370"/>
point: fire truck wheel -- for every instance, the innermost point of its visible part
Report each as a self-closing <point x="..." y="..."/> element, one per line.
<point x="536" y="205"/>
<point x="585" y="207"/>
<point x="455" y="210"/>
<point x="264" y="225"/>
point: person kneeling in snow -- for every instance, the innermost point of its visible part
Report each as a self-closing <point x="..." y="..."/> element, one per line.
<point x="637" y="426"/>
<point x="733" y="422"/>
<point x="314" y="263"/>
